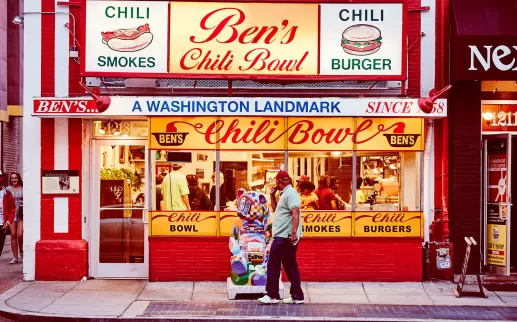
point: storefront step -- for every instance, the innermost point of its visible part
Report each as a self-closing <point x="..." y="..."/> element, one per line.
<point x="500" y="283"/>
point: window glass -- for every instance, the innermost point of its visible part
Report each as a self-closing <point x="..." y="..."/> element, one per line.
<point x="328" y="173"/>
<point x="197" y="175"/>
<point x="388" y="181"/>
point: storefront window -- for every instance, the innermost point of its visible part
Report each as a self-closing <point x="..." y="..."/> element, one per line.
<point x="358" y="177"/>
<point x="198" y="167"/>
<point x="120" y="128"/>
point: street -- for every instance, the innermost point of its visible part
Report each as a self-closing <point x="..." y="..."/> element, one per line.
<point x="11" y="274"/>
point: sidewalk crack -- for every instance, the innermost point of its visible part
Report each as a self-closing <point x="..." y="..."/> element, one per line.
<point x="365" y="294"/>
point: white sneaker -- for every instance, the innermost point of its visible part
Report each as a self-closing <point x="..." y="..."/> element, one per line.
<point x="290" y="300"/>
<point x="267" y="300"/>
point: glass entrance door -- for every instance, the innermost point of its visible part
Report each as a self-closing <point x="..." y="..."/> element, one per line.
<point x="497" y="202"/>
<point x="119" y="223"/>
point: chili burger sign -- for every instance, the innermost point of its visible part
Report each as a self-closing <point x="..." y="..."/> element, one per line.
<point x="239" y="40"/>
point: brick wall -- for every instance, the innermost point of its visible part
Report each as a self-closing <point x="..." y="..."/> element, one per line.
<point x="11" y="140"/>
<point x="413" y="35"/>
<point x="320" y="259"/>
<point x="465" y="170"/>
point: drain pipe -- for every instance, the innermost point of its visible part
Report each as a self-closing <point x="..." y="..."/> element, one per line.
<point x="428" y="179"/>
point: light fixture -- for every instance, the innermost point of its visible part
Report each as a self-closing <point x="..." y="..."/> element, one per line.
<point x="102" y="131"/>
<point x="336" y="153"/>
<point x="393" y="166"/>
<point x="487" y="116"/>
<point x="426" y="104"/>
<point x="18" y="20"/>
<point x="375" y="170"/>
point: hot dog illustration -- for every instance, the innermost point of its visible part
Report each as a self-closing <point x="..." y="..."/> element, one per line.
<point x="128" y="40"/>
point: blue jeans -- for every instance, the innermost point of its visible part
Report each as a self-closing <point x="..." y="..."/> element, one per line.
<point x="283" y="252"/>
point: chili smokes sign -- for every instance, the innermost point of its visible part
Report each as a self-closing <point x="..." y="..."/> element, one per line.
<point x="195" y="39"/>
<point x="126" y="36"/>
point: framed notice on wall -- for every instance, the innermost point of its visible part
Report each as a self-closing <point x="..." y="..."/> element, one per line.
<point x="59" y="182"/>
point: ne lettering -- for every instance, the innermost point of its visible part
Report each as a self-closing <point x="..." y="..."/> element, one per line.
<point x="495" y="56"/>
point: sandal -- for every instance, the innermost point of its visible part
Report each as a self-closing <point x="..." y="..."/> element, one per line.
<point x="14" y="261"/>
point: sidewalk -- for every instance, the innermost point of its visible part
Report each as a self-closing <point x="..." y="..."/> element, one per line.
<point x="141" y="300"/>
<point x="10" y="275"/>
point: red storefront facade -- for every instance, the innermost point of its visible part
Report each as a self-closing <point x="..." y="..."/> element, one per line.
<point x="66" y="228"/>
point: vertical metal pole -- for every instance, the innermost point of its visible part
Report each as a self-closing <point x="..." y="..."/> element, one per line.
<point x="354" y="180"/>
<point x="217" y="181"/>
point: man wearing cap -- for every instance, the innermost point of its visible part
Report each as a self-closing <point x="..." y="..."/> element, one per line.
<point x="175" y="190"/>
<point x="287" y="231"/>
<point x="302" y="178"/>
<point x="6" y="213"/>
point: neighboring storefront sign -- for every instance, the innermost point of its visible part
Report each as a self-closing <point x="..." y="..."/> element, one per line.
<point x="388" y="224"/>
<point x="125" y="37"/>
<point x="362" y="39"/>
<point x="183" y="224"/>
<point x="239" y="39"/>
<point x="279" y="134"/>
<point x="236" y="106"/>
<point x="60" y="182"/>
<point x="499" y="118"/>
<point x="497" y="202"/>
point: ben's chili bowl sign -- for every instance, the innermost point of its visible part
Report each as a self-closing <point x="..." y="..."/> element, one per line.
<point x="296" y="134"/>
<point x="183" y="223"/>
<point x="237" y="106"/>
<point x="388" y="224"/>
<point x="316" y="223"/>
<point x="243" y="38"/>
<point x="126" y="36"/>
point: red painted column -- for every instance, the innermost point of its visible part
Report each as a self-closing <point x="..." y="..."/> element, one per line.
<point x="60" y="255"/>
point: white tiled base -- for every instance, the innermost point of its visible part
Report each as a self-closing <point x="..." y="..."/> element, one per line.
<point x="233" y="289"/>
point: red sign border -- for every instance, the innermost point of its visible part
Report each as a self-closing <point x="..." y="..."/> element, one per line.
<point x="401" y="77"/>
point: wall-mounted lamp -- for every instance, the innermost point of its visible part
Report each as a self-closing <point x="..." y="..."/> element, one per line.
<point x="487" y="116"/>
<point x="19" y="20"/>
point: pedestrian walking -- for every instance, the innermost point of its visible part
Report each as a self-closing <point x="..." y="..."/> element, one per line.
<point x="16" y="189"/>
<point x="287" y="231"/>
<point x="7" y="213"/>
<point x="175" y="190"/>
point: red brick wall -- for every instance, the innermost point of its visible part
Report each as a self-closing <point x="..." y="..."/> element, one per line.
<point x="320" y="259"/>
<point x="11" y="140"/>
<point x="413" y="35"/>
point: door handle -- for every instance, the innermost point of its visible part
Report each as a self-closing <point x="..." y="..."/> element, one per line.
<point x="145" y="216"/>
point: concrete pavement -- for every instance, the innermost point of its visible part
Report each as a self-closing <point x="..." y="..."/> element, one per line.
<point x="137" y="299"/>
<point x="10" y="275"/>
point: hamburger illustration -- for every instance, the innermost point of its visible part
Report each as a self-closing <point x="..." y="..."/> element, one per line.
<point x="361" y="40"/>
<point x="128" y="40"/>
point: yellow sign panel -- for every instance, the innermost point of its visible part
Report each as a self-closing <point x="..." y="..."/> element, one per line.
<point x="183" y="223"/>
<point x="388" y="224"/>
<point x="180" y="133"/>
<point x="497" y="249"/>
<point x="361" y="134"/>
<point x="243" y="38"/>
<point x="326" y="224"/>
<point x="226" y="222"/>
<point x="223" y="133"/>
<point x="292" y="133"/>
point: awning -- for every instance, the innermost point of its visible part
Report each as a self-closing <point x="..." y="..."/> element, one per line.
<point x="484" y="40"/>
